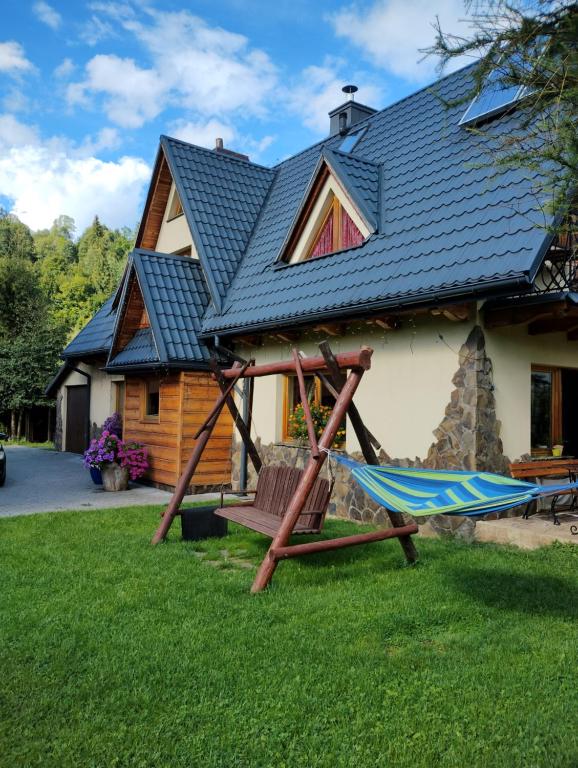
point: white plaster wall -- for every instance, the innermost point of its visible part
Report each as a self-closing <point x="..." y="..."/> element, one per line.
<point x="102" y="394"/>
<point x="513" y="352"/>
<point x="174" y="235"/>
<point x="402" y="398"/>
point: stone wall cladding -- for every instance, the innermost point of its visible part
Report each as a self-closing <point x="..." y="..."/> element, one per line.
<point x="467" y="438"/>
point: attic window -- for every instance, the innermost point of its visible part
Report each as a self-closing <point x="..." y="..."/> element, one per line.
<point x="350" y="141"/>
<point x="175" y="208"/>
<point x="336" y="232"/>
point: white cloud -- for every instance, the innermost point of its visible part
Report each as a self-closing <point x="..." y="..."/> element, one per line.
<point x="47" y="14"/>
<point x="192" y="66"/>
<point x="133" y="95"/>
<point x="391" y="33"/>
<point x="13" y="133"/>
<point x="202" y="133"/>
<point x="43" y="184"/>
<point x="64" y="69"/>
<point x="13" y="59"/>
<point x="318" y="91"/>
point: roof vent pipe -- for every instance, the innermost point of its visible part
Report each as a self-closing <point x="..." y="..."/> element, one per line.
<point x="342" y="118"/>
<point x="218" y="144"/>
<point x="343" y="122"/>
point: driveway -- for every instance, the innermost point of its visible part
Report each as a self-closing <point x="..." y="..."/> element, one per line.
<point x="47" y="481"/>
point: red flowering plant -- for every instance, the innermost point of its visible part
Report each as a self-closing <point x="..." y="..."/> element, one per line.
<point x="109" y="448"/>
<point x="297" y="427"/>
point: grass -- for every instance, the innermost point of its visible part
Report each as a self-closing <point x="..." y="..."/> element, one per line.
<point x="48" y="446"/>
<point x="117" y="654"/>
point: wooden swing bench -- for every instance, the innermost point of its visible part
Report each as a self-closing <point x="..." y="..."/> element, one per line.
<point x="276" y="487"/>
<point x="288" y="500"/>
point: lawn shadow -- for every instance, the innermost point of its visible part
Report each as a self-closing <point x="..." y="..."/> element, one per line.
<point x="507" y="590"/>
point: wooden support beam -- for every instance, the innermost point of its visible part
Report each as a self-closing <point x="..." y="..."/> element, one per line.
<point x="310" y="474"/>
<point x="500" y="318"/>
<point x="360" y="360"/>
<point x="243" y="429"/>
<point x="288" y="337"/>
<point x="388" y="323"/>
<point x="331" y="329"/>
<point x="326" y="545"/>
<point x="553" y="325"/>
<point x="305" y="405"/>
<point x="370" y="457"/>
<point x="238" y="371"/>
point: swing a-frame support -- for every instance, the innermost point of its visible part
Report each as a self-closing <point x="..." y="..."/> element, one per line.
<point x="333" y="370"/>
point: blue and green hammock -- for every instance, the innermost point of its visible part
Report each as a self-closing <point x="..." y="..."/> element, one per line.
<point x="420" y="492"/>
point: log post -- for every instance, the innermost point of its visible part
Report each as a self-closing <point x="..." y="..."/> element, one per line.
<point x="369" y="454"/>
<point x="305" y="404"/>
<point x="310" y="473"/>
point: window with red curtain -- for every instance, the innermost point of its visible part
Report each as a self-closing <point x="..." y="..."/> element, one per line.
<point x="337" y="232"/>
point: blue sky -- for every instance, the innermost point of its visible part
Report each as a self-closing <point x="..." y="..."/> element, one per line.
<point x="86" y="88"/>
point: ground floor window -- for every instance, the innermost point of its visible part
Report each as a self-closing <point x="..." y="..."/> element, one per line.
<point x="554" y="410"/>
<point x="151" y="399"/>
<point x="321" y="403"/>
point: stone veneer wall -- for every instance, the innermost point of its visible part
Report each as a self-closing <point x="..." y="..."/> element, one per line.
<point x="468" y="437"/>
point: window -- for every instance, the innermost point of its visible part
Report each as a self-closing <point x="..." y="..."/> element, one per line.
<point x="317" y="395"/>
<point x="336" y="232"/>
<point x="554" y="410"/>
<point x="175" y="208"/>
<point x="118" y="394"/>
<point x="152" y="399"/>
<point x="350" y="141"/>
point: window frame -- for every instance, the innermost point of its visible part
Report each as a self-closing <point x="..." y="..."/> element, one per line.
<point x="556" y="413"/>
<point x="150" y="417"/>
<point x="336" y="209"/>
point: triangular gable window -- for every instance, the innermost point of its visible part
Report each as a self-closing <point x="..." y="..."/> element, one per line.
<point x="329" y="223"/>
<point x="337" y="232"/>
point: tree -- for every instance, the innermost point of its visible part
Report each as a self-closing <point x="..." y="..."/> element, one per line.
<point x="15" y="237"/>
<point x="30" y="340"/>
<point x="531" y="44"/>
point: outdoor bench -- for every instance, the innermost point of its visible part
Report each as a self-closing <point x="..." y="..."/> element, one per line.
<point x="538" y="470"/>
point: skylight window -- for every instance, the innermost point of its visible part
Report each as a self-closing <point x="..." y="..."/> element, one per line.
<point x="350" y="141"/>
<point x="493" y="99"/>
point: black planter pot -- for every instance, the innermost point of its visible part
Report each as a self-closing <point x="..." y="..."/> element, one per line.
<point x="201" y="523"/>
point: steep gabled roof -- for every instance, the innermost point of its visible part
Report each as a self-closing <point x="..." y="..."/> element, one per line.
<point x="175" y="296"/>
<point x="222" y="197"/>
<point x="450" y="227"/>
<point x="95" y="337"/>
<point x="360" y="180"/>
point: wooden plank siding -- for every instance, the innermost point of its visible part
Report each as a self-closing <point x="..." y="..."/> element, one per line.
<point x="185" y="399"/>
<point x="135" y="317"/>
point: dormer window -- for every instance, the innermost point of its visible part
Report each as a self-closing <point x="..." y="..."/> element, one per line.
<point x="336" y="232"/>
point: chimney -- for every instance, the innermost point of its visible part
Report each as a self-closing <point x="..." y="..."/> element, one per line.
<point x="219" y="147"/>
<point x="342" y="118"/>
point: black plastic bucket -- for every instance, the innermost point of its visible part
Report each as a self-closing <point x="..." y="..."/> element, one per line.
<point x="202" y="523"/>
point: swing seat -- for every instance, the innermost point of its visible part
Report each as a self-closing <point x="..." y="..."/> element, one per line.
<point x="275" y="488"/>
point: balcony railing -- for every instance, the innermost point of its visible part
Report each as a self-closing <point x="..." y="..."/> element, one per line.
<point x="559" y="270"/>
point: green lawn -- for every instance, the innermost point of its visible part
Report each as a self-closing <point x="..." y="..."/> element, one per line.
<point x="114" y="653"/>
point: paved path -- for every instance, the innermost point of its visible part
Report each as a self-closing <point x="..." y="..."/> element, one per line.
<point x="46" y="481"/>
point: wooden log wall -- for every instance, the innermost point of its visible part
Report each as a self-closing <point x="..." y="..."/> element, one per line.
<point x="185" y="399"/>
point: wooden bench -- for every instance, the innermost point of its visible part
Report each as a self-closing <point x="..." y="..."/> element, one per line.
<point x="275" y="488"/>
<point x="540" y="469"/>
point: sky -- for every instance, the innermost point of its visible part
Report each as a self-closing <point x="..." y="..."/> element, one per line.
<point x="87" y="88"/>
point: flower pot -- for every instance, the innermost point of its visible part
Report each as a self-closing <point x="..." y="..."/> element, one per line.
<point x="96" y="475"/>
<point x="114" y="477"/>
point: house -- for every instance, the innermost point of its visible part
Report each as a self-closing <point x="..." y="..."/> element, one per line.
<point x="393" y="232"/>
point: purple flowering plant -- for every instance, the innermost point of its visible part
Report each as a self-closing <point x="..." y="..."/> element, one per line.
<point x="109" y="448"/>
<point x="113" y="424"/>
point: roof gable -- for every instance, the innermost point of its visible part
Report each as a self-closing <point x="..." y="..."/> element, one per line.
<point x="175" y="296"/>
<point x="353" y="180"/>
<point x="222" y="197"/>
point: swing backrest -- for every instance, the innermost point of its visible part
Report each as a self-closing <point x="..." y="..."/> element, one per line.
<point x="276" y="486"/>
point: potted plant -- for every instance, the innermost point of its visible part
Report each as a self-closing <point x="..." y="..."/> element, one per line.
<point x="118" y="461"/>
<point x="297" y="427"/>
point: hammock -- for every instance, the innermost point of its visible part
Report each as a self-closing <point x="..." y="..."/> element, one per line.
<point x="421" y="492"/>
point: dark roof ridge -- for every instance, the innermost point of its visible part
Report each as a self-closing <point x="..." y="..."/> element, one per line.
<point x="212" y="153"/>
<point x="351" y="156"/>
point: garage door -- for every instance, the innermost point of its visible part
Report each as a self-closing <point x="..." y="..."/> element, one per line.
<point x="77" y="404"/>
